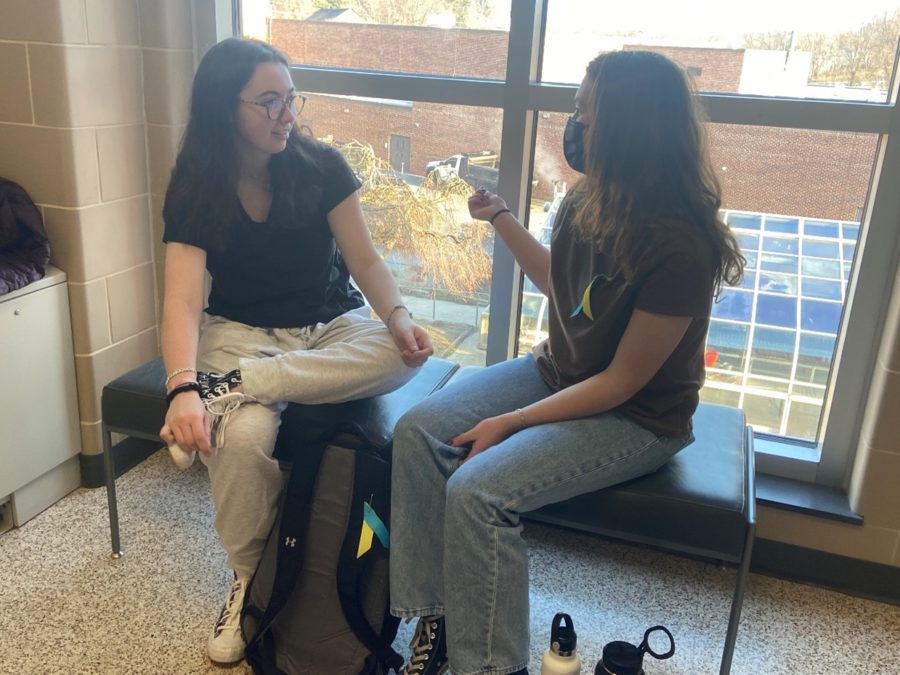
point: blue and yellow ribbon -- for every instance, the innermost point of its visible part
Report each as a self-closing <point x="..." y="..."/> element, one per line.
<point x="372" y="526"/>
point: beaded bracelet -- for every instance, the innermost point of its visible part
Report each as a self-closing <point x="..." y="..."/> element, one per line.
<point x="179" y="372"/>
<point x="180" y="389"/>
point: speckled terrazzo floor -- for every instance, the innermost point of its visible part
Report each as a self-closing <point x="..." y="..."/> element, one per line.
<point x="67" y="607"/>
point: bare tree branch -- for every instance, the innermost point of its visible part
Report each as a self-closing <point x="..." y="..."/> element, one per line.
<point x="428" y="223"/>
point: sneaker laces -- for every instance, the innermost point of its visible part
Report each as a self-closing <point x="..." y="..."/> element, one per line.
<point x="422" y="643"/>
<point x="220" y="409"/>
<point x="230" y="618"/>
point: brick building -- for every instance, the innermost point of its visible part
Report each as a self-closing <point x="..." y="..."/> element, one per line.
<point x="799" y="172"/>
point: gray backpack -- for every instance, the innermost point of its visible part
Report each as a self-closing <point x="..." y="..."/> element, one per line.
<point x="319" y="600"/>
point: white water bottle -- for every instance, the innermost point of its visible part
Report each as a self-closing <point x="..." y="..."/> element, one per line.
<point x="560" y="658"/>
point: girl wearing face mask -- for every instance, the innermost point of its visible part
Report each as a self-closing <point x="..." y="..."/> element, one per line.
<point x="274" y="217"/>
<point x="637" y="254"/>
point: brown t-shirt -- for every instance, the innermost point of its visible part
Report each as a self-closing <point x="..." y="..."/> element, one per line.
<point x="674" y="277"/>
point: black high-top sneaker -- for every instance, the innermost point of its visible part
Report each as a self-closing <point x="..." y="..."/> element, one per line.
<point x="428" y="648"/>
<point x="215" y="386"/>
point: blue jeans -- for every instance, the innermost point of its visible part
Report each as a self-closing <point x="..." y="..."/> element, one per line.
<point x="456" y="544"/>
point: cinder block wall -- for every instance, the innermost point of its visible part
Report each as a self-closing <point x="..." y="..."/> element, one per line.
<point x="94" y="101"/>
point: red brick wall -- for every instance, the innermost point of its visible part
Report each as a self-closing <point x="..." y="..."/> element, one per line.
<point x="404" y="49"/>
<point x="799" y="172"/>
<point x="436" y="131"/>
<point x="720" y="69"/>
<point x="785" y="171"/>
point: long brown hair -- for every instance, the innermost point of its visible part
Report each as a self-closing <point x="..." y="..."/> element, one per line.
<point x="202" y="190"/>
<point x="647" y="168"/>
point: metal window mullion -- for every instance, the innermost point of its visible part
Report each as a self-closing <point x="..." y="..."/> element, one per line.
<point x="515" y="160"/>
<point x="752" y="110"/>
<point x="868" y="295"/>
<point x="213" y="21"/>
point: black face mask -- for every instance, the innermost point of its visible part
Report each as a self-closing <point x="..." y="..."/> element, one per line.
<point x="573" y="144"/>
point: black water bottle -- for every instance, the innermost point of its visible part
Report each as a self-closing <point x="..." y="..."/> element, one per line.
<point x="623" y="658"/>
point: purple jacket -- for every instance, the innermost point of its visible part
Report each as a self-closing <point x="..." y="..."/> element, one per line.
<point x="24" y="248"/>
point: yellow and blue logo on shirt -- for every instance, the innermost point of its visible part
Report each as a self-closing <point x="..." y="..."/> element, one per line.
<point x="584" y="307"/>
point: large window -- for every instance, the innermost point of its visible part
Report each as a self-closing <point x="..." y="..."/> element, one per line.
<point x="438" y="97"/>
<point x="416" y="180"/>
<point x="795" y="49"/>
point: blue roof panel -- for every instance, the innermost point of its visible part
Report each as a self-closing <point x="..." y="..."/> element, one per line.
<point x="820" y="315"/>
<point x="821" y="249"/>
<point x="734" y="304"/>
<point x="746" y="221"/>
<point x="821" y="228"/>
<point x="781" y="224"/>
<point x="776" y="310"/>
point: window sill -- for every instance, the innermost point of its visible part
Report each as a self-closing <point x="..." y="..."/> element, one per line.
<point x="813" y="500"/>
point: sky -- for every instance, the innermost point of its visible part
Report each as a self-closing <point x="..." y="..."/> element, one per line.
<point x="720" y="17"/>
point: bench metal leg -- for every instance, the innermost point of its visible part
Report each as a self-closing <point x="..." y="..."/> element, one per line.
<point x="109" y="465"/>
<point x="737" y="601"/>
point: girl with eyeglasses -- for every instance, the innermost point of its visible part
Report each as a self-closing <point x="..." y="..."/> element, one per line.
<point x="637" y="254"/>
<point x="274" y="217"/>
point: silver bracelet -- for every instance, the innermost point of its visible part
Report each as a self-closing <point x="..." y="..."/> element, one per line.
<point x="179" y="371"/>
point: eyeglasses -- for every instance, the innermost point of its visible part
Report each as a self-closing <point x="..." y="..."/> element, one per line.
<point x="275" y="107"/>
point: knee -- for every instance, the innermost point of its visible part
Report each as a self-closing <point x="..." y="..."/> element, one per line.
<point x="468" y="496"/>
<point x="410" y="438"/>
<point x="249" y="437"/>
<point x="416" y="426"/>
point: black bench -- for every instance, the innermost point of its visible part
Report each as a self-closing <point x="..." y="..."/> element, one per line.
<point x="701" y="503"/>
<point x="134" y="404"/>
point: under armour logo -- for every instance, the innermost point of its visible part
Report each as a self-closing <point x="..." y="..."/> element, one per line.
<point x="290" y="542"/>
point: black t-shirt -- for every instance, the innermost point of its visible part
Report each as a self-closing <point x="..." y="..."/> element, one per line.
<point x="287" y="271"/>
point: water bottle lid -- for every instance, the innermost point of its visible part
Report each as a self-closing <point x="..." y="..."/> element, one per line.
<point x="622" y="658"/>
<point x="563" y="638"/>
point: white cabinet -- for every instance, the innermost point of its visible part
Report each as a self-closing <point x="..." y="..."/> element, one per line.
<point x="39" y="428"/>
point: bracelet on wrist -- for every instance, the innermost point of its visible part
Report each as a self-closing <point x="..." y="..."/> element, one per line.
<point x="499" y="213"/>
<point x="523" y="424"/>
<point x="387" y="321"/>
<point x="177" y="372"/>
<point x="180" y="389"/>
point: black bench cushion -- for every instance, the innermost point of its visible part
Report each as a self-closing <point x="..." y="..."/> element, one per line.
<point x="135" y="403"/>
<point x="376" y="416"/>
<point x="698" y="503"/>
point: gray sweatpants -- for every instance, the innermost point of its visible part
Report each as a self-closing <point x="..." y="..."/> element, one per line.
<point x="351" y="357"/>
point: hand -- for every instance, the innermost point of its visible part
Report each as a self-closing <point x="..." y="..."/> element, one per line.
<point x="487" y="433"/>
<point x="188" y="424"/>
<point x="411" y="339"/>
<point x="483" y="205"/>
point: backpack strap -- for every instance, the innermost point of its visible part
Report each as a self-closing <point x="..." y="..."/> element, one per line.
<point x="371" y="487"/>
<point x="292" y="533"/>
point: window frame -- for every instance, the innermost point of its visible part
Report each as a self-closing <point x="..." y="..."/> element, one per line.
<point x="522" y="94"/>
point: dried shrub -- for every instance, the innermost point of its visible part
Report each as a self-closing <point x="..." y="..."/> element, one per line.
<point x="429" y="223"/>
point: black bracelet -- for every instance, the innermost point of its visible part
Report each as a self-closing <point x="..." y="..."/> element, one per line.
<point x="501" y="211"/>
<point x="180" y="389"/>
